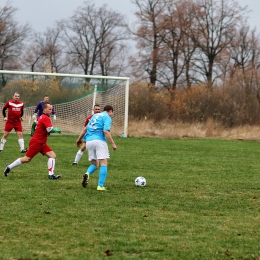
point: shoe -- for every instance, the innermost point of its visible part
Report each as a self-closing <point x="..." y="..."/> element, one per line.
<point x="24" y="150"/>
<point x="54" y="177"/>
<point x="1" y="151"/>
<point x="7" y="170"/>
<point x="101" y="188"/>
<point x="74" y="163"/>
<point x="85" y="180"/>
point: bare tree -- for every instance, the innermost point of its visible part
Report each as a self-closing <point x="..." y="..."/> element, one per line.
<point x="93" y="37"/>
<point x="46" y="52"/>
<point x="147" y="37"/>
<point x="12" y="36"/>
<point x="176" y="48"/>
<point x="213" y="28"/>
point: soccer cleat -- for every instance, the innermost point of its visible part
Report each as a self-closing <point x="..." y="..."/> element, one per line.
<point x="54" y="177"/>
<point x="74" y="163"/>
<point x="85" y="180"/>
<point x="7" y="170"/>
<point x="24" y="150"/>
<point x="101" y="188"/>
<point x="1" y="151"/>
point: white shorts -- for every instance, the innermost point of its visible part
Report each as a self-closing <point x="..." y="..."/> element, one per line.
<point x="97" y="150"/>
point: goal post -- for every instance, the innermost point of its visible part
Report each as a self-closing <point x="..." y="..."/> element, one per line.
<point x="72" y="95"/>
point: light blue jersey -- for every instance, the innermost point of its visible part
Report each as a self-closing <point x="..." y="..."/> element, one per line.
<point x="96" y="126"/>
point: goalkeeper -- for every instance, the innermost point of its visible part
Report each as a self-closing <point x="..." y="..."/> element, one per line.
<point x="38" y="112"/>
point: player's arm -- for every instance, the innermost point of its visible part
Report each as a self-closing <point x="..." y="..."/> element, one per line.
<point x="21" y="116"/>
<point x="4" y="113"/>
<point x="79" y="140"/>
<point x="54" y="113"/>
<point x="109" y="138"/>
<point x="36" y="111"/>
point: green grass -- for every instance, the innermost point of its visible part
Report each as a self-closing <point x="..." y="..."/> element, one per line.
<point x="202" y="201"/>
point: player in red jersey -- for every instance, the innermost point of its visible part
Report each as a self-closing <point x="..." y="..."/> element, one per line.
<point x="13" y="121"/>
<point x="80" y="152"/>
<point x="38" y="144"/>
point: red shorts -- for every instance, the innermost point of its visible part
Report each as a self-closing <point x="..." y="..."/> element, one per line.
<point x="35" y="148"/>
<point x="17" y="126"/>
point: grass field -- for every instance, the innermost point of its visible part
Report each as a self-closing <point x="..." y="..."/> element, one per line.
<point x="202" y="201"/>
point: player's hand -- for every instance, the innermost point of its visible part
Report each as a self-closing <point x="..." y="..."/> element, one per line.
<point x="114" y="146"/>
<point x="21" y="118"/>
<point x="78" y="142"/>
<point x="54" y="117"/>
<point x="34" y="116"/>
<point x="5" y="118"/>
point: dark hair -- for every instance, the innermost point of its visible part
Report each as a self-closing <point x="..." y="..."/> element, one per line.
<point x="96" y="105"/>
<point x="108" y="108"/>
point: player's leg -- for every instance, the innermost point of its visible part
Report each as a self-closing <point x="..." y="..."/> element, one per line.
<point x="19" y="131"/>
<point x="102" y="156"/>
<point x="79" y="154"/>
<point x="51" y="162"/>
<point x="94" y="163"/>
<point x="16" y="163"/>
<point x="3" y="140"/>
<point x="34" y="148"/>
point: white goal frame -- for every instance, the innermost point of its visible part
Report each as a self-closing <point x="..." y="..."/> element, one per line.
<point x="125" y="79"/>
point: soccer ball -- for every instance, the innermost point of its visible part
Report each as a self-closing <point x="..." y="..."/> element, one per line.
<point x="140" y="181"/>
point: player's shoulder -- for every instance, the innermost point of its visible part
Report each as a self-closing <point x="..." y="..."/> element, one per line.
<point x="89" y="116"/>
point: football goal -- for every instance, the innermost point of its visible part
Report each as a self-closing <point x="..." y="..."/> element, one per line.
<point x="72" y="95"/>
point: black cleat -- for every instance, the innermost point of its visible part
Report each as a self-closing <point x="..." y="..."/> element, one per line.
<point x="7" y="170"/>
<point x="24" y="150"/>
<point x="74" y="163"/>
<point x="85" y="180"/>
<point x="54" y="177"/>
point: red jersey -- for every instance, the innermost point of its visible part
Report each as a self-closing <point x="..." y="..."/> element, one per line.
<point x="41" y="133"/>
<point x="87" y="120"/>
<point x="15" y="110"/>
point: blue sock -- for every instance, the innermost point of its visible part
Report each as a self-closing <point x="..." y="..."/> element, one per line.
<point x="91" y="169"/>
<point x="102" y="175"/>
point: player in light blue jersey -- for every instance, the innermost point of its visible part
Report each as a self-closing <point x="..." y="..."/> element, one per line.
<point x="96" y="135"/>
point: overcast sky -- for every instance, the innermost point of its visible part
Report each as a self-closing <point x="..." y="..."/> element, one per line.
<point x="41" y="14"/>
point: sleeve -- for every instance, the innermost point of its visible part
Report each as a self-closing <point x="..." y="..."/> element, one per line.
<point x="22" y="112"/>
<point x="53" y="111"/>
<point x="87" y="120"/>
<point x="37" y="108"/>
<point x="107" y="123"/>
<point x="47" y="123"/>
<point x="4" y="111"/>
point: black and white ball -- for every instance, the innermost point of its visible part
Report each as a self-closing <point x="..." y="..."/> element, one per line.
<point x="140" y="181"/>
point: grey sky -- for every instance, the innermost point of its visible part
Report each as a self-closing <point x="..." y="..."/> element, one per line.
<point x="41" y="14"/>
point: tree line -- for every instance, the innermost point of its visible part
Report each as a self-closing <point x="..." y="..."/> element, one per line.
<point x="179" y="45"/>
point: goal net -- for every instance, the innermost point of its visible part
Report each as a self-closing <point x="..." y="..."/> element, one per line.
<point x="73" y="97"/>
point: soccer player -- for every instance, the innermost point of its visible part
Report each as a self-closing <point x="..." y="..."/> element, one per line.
<point x="38" y="112"/>
<point x="96" y="134"/>
<point x="80" y="152"/>
<point x="38" y="144"/>
<point x="13" y="121"/>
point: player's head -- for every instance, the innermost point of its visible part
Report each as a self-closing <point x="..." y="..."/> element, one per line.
<point x="47" y="108"/>
<point x="46" y="98"/>
<point x="96" y="109"/>
<point x="109" y="109"/>
<point x="16" y="96"/>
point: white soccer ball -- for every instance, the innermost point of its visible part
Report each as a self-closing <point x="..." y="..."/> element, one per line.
<point x="140" y="181"/>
